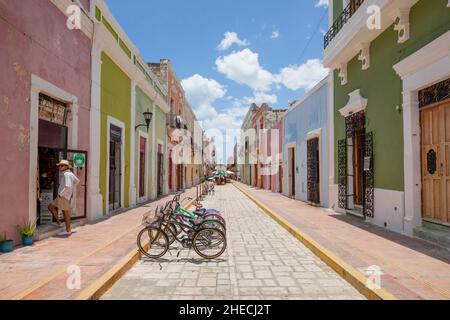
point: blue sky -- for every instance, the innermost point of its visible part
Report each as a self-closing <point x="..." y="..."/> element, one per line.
<point x="231" y="53"/>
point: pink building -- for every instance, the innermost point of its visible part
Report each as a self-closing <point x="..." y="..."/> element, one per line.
<point x="272" y="148"/>
<point x="45" y="98"/>
<point x="277" y="162"/>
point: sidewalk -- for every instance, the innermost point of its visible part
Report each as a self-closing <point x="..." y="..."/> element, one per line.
<point x="41" y="271"/>
<point x="412" y="268"/>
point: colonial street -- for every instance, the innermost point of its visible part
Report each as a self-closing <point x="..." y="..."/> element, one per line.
<point x="262" y="261"/>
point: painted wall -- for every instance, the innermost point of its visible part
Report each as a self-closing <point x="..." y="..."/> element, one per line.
<point x="275" y="185"/>
<point x="115" y="102"/>
<point x="310" y="115"/>
<point x="161" y="134"/>
<point x="34" y="40"/>
<point x="144" y="103"/>
<point x="382" y="87"/>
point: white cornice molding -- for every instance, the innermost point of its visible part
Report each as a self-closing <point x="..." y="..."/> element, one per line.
<point x="434" y="51"/>
<point x="124" y="37"/>
<point x="345" y="46"/>
<point x="106" y="42"/>
<point x="314" y="134"/>
<point x="355" y="104"/>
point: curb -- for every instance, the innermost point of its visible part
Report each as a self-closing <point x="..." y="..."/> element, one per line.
<point x="346" y="271"/>
<point x="101" y="286"/>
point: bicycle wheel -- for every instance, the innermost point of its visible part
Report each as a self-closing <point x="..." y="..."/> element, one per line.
<point x="209" y="243"/>
<point x="212" y="224"/>
<point x="152" y="242"/>
<point x="214" y="216"/>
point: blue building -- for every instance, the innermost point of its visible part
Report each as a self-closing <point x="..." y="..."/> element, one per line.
<point x="306" y="150"/>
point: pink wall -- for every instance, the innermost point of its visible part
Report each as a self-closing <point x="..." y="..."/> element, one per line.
<point x="275" y="178"/>
<point x="86" y="4"/>
<point x="266" y="147"/>
<point x="34" y="40"/>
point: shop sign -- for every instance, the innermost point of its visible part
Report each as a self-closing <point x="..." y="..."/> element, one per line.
<point x="79" y="160"/>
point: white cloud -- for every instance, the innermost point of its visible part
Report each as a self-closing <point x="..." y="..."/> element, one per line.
<point x="322" y="3"/>
<point x="243" y="67"/>
<point x="202" y="93"/>
<point x="260" y="98"/>
<point x="304" y="76"/>
<point x="231" y="38"/>
<point x="238" y="109"/>
<point x="275" y="34"/>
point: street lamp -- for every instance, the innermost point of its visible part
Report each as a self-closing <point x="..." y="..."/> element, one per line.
<point x="148" y="119"/>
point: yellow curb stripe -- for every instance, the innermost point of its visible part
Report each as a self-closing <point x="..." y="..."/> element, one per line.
<point x="346" y="271"/>
<point x="45" y="281"/>
<point x="426" y="283"/>
<point x="101" y="286"/>
<point x="107" y="280"/>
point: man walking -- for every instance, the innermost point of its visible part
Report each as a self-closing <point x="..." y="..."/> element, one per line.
<point x="67" y="183"/>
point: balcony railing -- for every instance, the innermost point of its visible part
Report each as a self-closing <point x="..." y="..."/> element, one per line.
<point x="174" y="121"/>
<point x="343" y="18"/>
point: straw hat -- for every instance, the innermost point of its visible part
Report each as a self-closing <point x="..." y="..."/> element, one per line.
<point x="63" y="163"/>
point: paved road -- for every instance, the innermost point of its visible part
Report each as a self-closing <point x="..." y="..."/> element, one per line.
<point x="263" y="261"/>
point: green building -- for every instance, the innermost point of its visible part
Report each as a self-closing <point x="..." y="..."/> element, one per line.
<point x="391" y="127"/>
<point x="127" y="153"/>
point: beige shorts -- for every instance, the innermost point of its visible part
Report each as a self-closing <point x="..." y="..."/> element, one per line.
<point x="61" y="203"/>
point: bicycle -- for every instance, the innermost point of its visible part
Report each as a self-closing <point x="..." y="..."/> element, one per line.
<point x="198" y="213"/>
<point x="162" y="231"/>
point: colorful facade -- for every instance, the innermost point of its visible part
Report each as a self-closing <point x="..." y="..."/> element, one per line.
<point x="275" y="136"/>
<point x="388" y="111"/>
<point x="306" y="147"/>
<point x="129" y="152"/>
<point x="255" y="162"/>
<point x="44" y="107"/>
<point x="184" y="134"/>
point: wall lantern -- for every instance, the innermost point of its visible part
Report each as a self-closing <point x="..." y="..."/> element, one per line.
<point x="148" y="119"/>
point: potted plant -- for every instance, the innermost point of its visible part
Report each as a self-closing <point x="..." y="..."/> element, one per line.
<point x="5" y="244"/>
<point x="27" y="233"/>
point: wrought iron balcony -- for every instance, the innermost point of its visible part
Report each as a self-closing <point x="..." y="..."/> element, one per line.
<point x="174" y="121"/>
<point x="343" y="18"/>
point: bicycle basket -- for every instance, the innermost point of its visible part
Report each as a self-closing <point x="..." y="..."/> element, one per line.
<point x="150" y="218"/>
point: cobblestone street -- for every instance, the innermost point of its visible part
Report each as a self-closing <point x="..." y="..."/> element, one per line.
<point x="262" y="261"/>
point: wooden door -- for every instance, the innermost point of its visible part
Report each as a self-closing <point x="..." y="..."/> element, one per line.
<point x="170" y="171"/>
<point x="280" y="176"/>
<point x="142" y="176"/>
<point x="160" y="171"/>
<point x="435" y="156"/>
<point x="291" y="171"/>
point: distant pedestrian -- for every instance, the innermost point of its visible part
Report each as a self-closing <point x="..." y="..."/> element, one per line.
<point x="67" y="183"/>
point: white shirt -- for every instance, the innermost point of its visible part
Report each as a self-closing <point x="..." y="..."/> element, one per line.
<point x="67" y="181"/>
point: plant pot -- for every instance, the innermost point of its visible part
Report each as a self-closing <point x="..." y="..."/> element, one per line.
<point x="27" y="241"/>
<point x="6" y="246"/>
